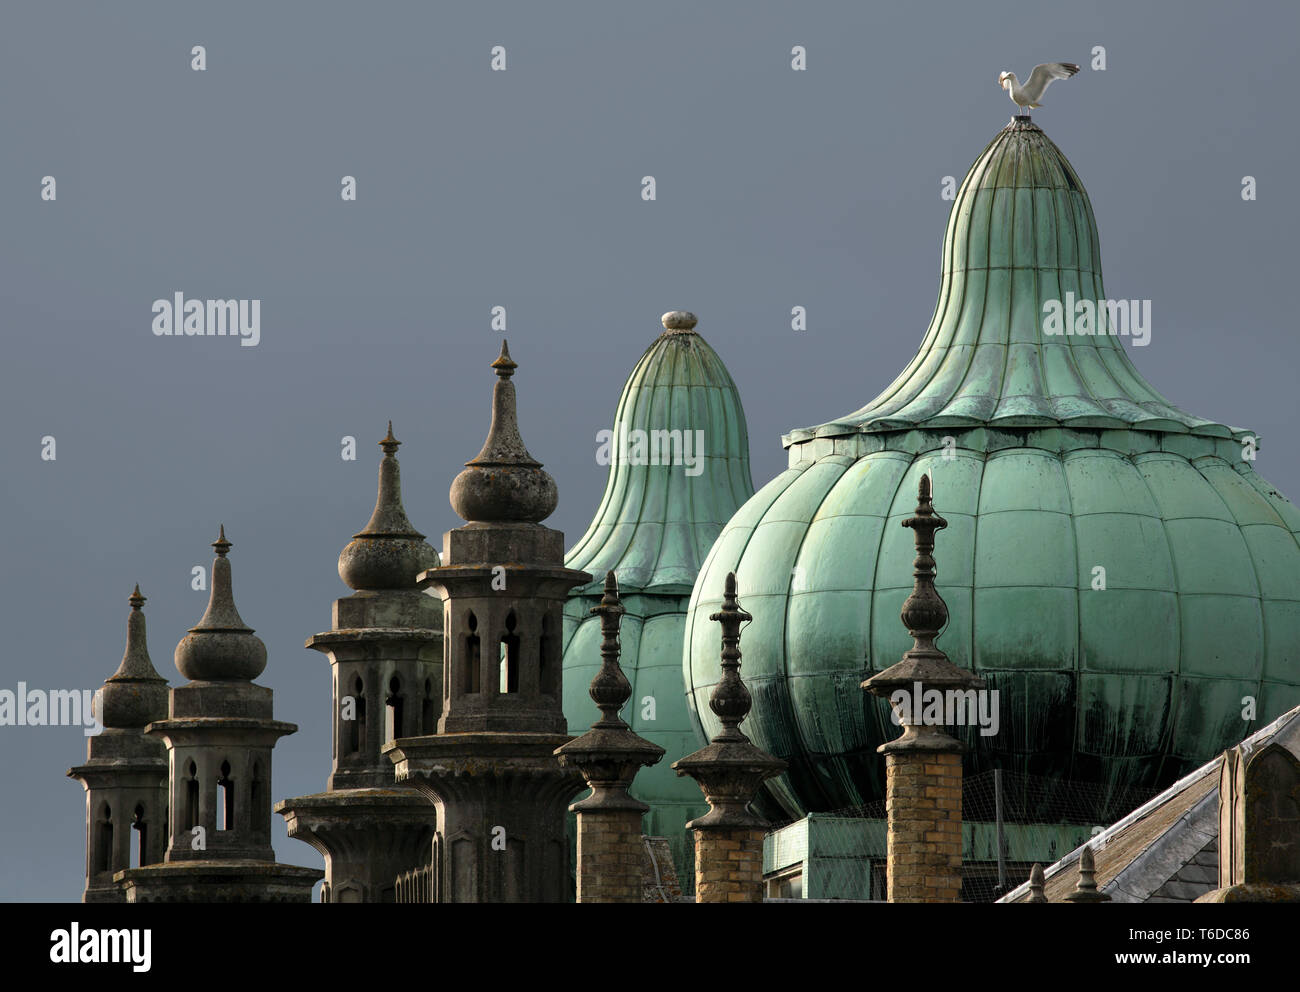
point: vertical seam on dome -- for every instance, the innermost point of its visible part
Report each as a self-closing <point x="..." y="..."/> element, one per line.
<point x="1078" y="615"/>
<point x="1175" y="681"/>
<point x="804" y="749"/>
<point x="1254" y="568"/>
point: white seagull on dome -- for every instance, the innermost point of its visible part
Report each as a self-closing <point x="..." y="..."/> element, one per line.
<point x="1028" y="95"/>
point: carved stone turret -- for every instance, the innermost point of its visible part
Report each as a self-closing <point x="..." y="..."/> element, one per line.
<point x="490" y="770"/>
<point x="609" y="755"/>
<point x="219" y="738"/>
<point x="125" y="774"/>
<point x="385" y="654"/>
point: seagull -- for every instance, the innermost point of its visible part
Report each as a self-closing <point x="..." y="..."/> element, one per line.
<point x="1028" y="95"/>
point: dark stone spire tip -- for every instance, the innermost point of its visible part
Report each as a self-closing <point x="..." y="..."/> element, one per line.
<point x="136" y="599"/>
<point x="610" y="689"/>
<point x="221" y="545"/>
<point x="730" y="700"/>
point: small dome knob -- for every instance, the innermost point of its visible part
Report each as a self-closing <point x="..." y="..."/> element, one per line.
<point x="680" y="321"/>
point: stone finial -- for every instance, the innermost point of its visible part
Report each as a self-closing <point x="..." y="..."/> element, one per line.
<point x="730" y="768"/>
<point x="610" y="689"/>
<point x="730" y="700"/>
<point x="924" y="614"/>
<point x="135" y="694"/>
<point x="679" y="322"/>
<point x="221" y="647"/>
<point x="1036" y="884"/>
<point x="389" y="552"/>
<point x="504" y="483"/>
<point x="1085" y="890"/>
<point x="610" y="753"/>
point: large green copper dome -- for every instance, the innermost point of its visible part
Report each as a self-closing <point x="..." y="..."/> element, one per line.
<point x="653" y="529"/>
<point x="1051" y="457"/>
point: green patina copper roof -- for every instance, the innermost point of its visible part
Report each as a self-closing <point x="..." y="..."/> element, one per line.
<point x="1021" y="232"/>
<point x="654" y="527"/>
<point x="656" y="522"/>
<point x="1051" y="456"/>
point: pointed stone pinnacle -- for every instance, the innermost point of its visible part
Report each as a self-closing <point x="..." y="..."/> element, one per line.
<point x="221" y="647"/>
<point x="135" y="599"/>
<point x="388" y="553"/>
<point x="504" y="365"/>
<point x="135" y="694"/>
<point x="504" y="483"/>
<point x="390" y="444"/>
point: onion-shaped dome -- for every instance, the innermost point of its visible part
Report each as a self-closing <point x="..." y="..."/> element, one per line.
<point x="221" y="647"/>
<point x="662" y="510"/>
<point x="135" y="694"/>
<point x="389" y="553"/>
<point x="1113" y="566"/>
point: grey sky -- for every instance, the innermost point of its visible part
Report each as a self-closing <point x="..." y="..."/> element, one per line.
<point x="522" y="188"/>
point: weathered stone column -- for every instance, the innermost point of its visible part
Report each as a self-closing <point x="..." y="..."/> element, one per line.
<point x="729" y="838"/>
<point x="609" y="756"/>
<point x="923" y="767"/>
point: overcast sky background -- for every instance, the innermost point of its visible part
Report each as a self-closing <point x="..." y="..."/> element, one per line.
<point x="522" y="189"/>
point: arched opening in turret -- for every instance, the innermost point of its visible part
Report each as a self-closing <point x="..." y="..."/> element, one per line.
<point x="191" y="796"/>
<point x="546" y="655"/>
<point x="426" y="708"/>
<point x="225" y="799"/>
<point x="472" y="654"/>
<point x="393" y="709"/>
<point x="510" y="656"/>
<point x="139" y="850"/>
<point x="256" y="797"/>
<point x="357" y="725"/>
<point x="104" y="840"/>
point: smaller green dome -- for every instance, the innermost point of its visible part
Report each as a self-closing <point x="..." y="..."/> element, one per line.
<point x="656" y="523"/>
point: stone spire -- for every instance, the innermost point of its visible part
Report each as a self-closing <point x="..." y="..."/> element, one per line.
<point x="135" y="694"/>
<point x="125" y="774"/>
<point x="503" y="586"/>
<point x="219" y="732"/>
<point x="923" y="766"/>
<point x="389" y="552"/>
<point x="221" y="647"/>
<point x="729" y="770"/>
<point x="1085" y="890"/>
<point x="385" y="655"/>
<point x="504" y="482"/>
<point x="609" y="755"/>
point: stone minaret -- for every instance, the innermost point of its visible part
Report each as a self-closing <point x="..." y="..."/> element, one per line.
<point x="922" y="767"/>
<point x="125" y="773"/>
<point x="491" y="771"/>
<point x="729" y="838"/>
<point x="385" y="652"/>
<point x="609" y="755"/>
<point x="219" y="737"/>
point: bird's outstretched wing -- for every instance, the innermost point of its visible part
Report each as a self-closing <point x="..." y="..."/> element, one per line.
<point x="1043" y="75"/>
